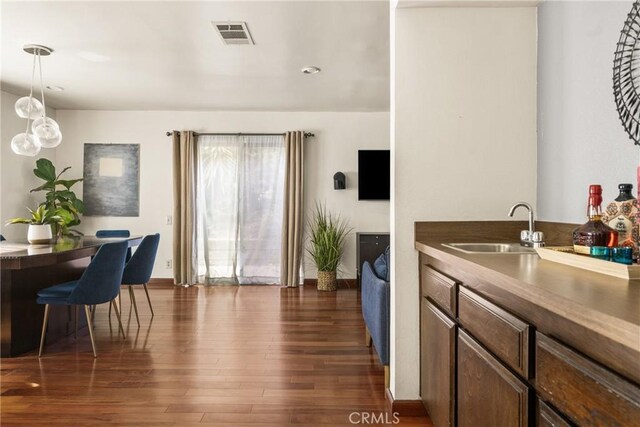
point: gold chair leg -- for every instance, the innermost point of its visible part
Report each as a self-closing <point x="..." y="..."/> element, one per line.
<point x="367" y="337"/>
<point x="117" y="310"/>
<point x="44" y="328"/>
<point x="93" y="343"/>
<point x="110" y="312"/>
<point x="133" y="302"/>
<point x="75" y="333"/>
<point x="146" y="291"/>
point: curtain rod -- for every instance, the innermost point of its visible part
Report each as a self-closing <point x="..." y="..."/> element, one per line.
<point x="306" y="134"/>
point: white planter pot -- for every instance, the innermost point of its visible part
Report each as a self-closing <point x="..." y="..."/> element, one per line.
<point x="39" y="234"/>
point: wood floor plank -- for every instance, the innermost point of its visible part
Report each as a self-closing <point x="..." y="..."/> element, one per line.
<point x="224" y="356"/>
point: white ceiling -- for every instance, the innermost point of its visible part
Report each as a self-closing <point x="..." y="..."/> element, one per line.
<point x="141" y="55"/>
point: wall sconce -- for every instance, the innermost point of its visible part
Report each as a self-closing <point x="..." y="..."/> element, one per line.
<point x="339" y="181"/>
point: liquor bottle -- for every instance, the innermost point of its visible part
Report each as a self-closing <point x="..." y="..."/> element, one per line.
<point x="594" y="232"/>
<point x="621" y="215"/>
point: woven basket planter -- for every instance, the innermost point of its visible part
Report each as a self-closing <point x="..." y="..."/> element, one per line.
<point x="327" y="281"/>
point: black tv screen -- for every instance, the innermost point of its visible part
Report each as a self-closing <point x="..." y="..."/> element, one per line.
<point x="374" y="174"/>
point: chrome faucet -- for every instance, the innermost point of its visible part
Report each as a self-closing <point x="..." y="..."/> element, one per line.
<point x="529" y="238"/>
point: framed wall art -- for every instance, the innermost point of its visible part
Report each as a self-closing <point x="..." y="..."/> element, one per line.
<point x="111" y="179"/>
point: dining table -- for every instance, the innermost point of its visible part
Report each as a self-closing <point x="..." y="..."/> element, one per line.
<point x="25" y="270"/>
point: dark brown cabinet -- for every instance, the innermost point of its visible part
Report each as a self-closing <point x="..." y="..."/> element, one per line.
<point x="369" y="246"/>
<point x="441" y="289"/>
<point x="437" y="377"/>
<point x="488" y="394"/>
<point x="485" y="364"/>
<point x="503" y="334"/>
<point x="584" y="391"/>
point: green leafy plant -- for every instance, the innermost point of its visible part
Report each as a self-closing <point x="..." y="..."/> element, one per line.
<point x="59" y="198"/>
<point x="327" y="233"/>
<point x="41" y="216"/>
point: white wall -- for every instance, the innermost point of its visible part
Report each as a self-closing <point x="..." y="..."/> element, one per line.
<point x="465" y="140"/>
<point x="334" y="148"/>
<point x="16" y="175"/>
<point x="581" y="140"/>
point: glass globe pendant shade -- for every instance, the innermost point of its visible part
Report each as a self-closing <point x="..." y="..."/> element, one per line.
<point x="29" y="108"/>
<point x="42" y="120"/>
<point x="25" y="144"/>
<point x="49" y="136"/>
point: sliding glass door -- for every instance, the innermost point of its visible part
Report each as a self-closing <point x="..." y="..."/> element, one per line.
<point x="240" y="187"/>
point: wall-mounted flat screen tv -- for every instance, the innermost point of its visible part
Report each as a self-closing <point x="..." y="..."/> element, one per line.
<point x="374" y="174"/>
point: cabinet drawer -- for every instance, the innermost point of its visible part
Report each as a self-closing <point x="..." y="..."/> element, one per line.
<point x="440" y="288"/>
<point x="584" y="391"/>
<point x="547" y="417"/>
<point x="374" y="239"/>
<point x="502" y="333"/>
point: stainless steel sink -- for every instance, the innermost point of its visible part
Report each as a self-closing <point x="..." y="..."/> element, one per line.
<point x="490" y="248"/>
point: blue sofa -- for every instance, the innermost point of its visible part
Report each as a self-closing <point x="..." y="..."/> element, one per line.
<point x="376" y="307"/>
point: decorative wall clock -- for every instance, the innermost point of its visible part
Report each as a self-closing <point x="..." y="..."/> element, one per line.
<point x="626" y="74"/>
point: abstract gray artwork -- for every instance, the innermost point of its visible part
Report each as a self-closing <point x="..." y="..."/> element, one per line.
<point x="111" y="179"/>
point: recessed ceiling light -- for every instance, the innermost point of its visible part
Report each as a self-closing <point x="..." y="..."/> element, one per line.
<point x="55" y="88"/>
<point x="310" y="69"/>
<point x="93" y="57"/>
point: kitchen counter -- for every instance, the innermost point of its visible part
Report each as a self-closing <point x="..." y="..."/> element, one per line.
<point x="596" y="314"/>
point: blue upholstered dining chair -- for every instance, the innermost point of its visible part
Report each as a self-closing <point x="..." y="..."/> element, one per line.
<point x="112" y="233"/>
<point x="106" y="234"/>
<point x="100" y="283"/>
<point x="139" y="268"/>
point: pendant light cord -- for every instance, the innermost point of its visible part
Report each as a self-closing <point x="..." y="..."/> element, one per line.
<point x="33" y="76"/>
<point x="44" y="107"/>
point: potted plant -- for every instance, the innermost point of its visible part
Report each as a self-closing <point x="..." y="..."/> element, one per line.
<point x="59" y="198"/>
<point x="327" y="233"/>
<point x="39" y="224"/>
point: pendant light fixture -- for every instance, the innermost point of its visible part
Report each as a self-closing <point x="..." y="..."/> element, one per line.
<point x="43" y="131"/>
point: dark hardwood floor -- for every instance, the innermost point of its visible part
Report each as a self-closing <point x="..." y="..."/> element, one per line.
<point x="227" y="356"/>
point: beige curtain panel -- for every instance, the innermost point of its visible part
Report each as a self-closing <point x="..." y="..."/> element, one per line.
<point x="184" y="203"/>
<point x="292" y="221"/>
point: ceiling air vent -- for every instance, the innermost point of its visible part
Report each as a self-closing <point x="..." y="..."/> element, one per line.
<point x="233" y="32"/>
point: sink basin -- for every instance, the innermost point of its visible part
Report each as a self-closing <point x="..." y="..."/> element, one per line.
<point x="490" y="248"/>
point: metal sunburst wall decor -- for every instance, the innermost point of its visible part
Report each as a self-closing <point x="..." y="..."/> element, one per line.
<point x="626" y="74"/>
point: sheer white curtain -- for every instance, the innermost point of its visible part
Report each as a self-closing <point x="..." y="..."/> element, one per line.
<point x="239" y="208"/>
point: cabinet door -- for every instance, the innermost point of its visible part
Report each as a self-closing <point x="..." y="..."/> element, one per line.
<point x="488" y="393"/>
<point x="437" y="364"/>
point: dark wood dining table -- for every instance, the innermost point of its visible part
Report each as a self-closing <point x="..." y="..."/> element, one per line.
<point x="25" y="270"/>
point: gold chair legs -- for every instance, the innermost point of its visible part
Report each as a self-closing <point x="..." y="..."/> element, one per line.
<point x="117" y="310"/>
<point x="146" y="291"/>
<point x="133" y="302"/>
<point x="89" y="313"/>
<point x="93" y="342"/>
<point x="44" y="328"/>
<point x="132" y="297"/>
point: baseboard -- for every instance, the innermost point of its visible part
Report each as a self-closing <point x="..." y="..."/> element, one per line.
<point x="405" y="408"/>
<point x="160" y="281"/>
<point x="342" y="283"/>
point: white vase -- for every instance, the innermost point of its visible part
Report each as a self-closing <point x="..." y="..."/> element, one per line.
<point x="39" y="234"/>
